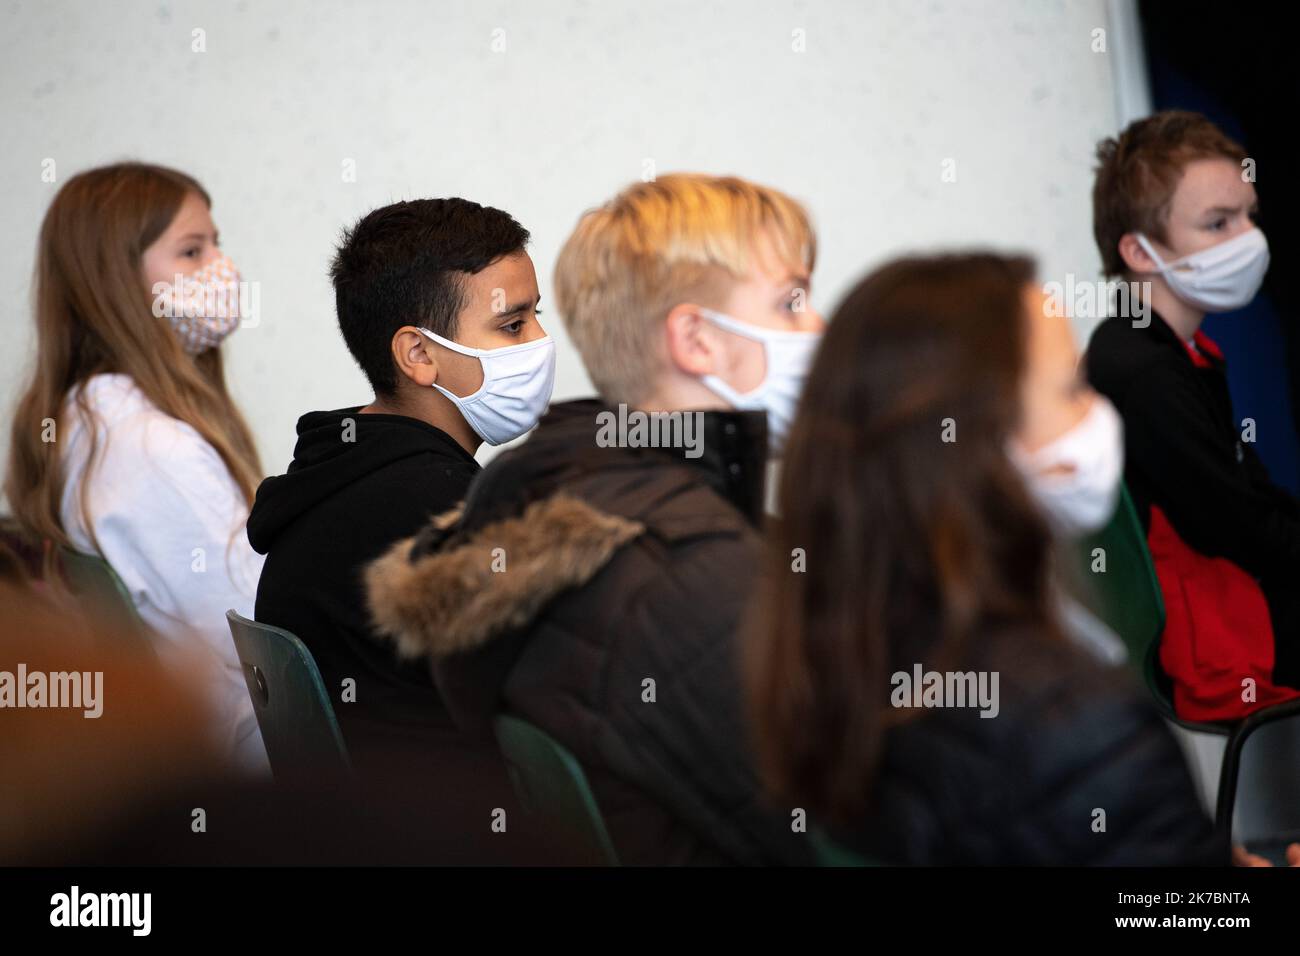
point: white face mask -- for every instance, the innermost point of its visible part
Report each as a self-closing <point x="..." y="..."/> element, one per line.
<point x="1220" y="278"/>
<point x="1080" y="501"/>
<point x="517" y="383"/>
<point x="789" y="355"/>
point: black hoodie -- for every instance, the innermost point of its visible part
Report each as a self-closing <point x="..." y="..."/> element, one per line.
<point x="357" y="483"/>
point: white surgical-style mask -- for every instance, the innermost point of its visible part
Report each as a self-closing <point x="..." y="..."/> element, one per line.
<point x="789" y="356"/>
<point x="203" y="307"/>
<point x="517" y="383"/>
<point x="1082" y="499"/>
<point x="1218" y="279"/>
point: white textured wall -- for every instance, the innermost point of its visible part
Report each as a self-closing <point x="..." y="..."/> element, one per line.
<point x="858" y="127"/>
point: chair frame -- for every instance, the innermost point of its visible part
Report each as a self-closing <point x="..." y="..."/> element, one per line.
<point x="256" y="682"/>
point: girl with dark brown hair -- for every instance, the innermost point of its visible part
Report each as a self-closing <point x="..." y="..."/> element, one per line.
<point x="912" y="684"/>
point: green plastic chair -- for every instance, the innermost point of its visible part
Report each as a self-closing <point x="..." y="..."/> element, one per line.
<point x="1127" y="597"/>
<point x="550" y="783"/>
<point x="101" y="592"/>
<point x="830" y="853"/>
<point x="293" y="709"/>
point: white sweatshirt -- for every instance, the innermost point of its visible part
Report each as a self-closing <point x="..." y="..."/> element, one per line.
<point x="169" y="518"/>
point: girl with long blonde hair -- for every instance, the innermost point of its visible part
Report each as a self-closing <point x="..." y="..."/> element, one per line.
<point x="126" y="442"/>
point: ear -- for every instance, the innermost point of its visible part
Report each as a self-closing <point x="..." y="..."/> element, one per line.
<point x="692" y="347"/>
<point x="414" y="356"/>
<point x="1135" y="257"/>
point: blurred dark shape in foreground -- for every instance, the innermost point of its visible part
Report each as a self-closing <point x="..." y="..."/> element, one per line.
<point x="123" y="788"/>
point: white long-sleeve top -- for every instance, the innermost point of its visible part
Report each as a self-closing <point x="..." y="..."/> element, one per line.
<point x="169" y="518"/>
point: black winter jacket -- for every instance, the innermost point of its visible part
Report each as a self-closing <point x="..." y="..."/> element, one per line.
<point x="1077" y="769"/>
<point x="622" y="567"/>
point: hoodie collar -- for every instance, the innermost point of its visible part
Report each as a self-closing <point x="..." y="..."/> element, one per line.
<point x="366" y="426"/>
<point x="336" y="450"/>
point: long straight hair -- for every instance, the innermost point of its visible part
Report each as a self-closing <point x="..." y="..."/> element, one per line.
<point x="93" y="315"/>
<point x="919" y="536"/>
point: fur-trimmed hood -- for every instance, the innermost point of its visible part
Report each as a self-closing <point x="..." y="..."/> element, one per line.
<point x="489" y="581"/>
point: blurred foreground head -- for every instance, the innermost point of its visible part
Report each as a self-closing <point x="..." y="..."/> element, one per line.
<point x="918" y="530"/>
<point x="102" y="726"/>
<point x="124" y="787"/>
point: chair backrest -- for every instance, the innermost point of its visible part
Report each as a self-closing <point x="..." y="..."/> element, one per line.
<point x="1126" y="595"/>
<point x="98" y="588"/>
<point x="830" y="853"/>
<point x="551" y="784"/>
<point x="293" y="709"/>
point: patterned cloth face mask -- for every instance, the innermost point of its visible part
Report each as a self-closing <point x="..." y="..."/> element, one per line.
<point x="202" y="308"/>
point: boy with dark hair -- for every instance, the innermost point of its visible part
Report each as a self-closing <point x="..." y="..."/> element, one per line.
<point x="437" y="302"/>
<point x="1174" y="210"/>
